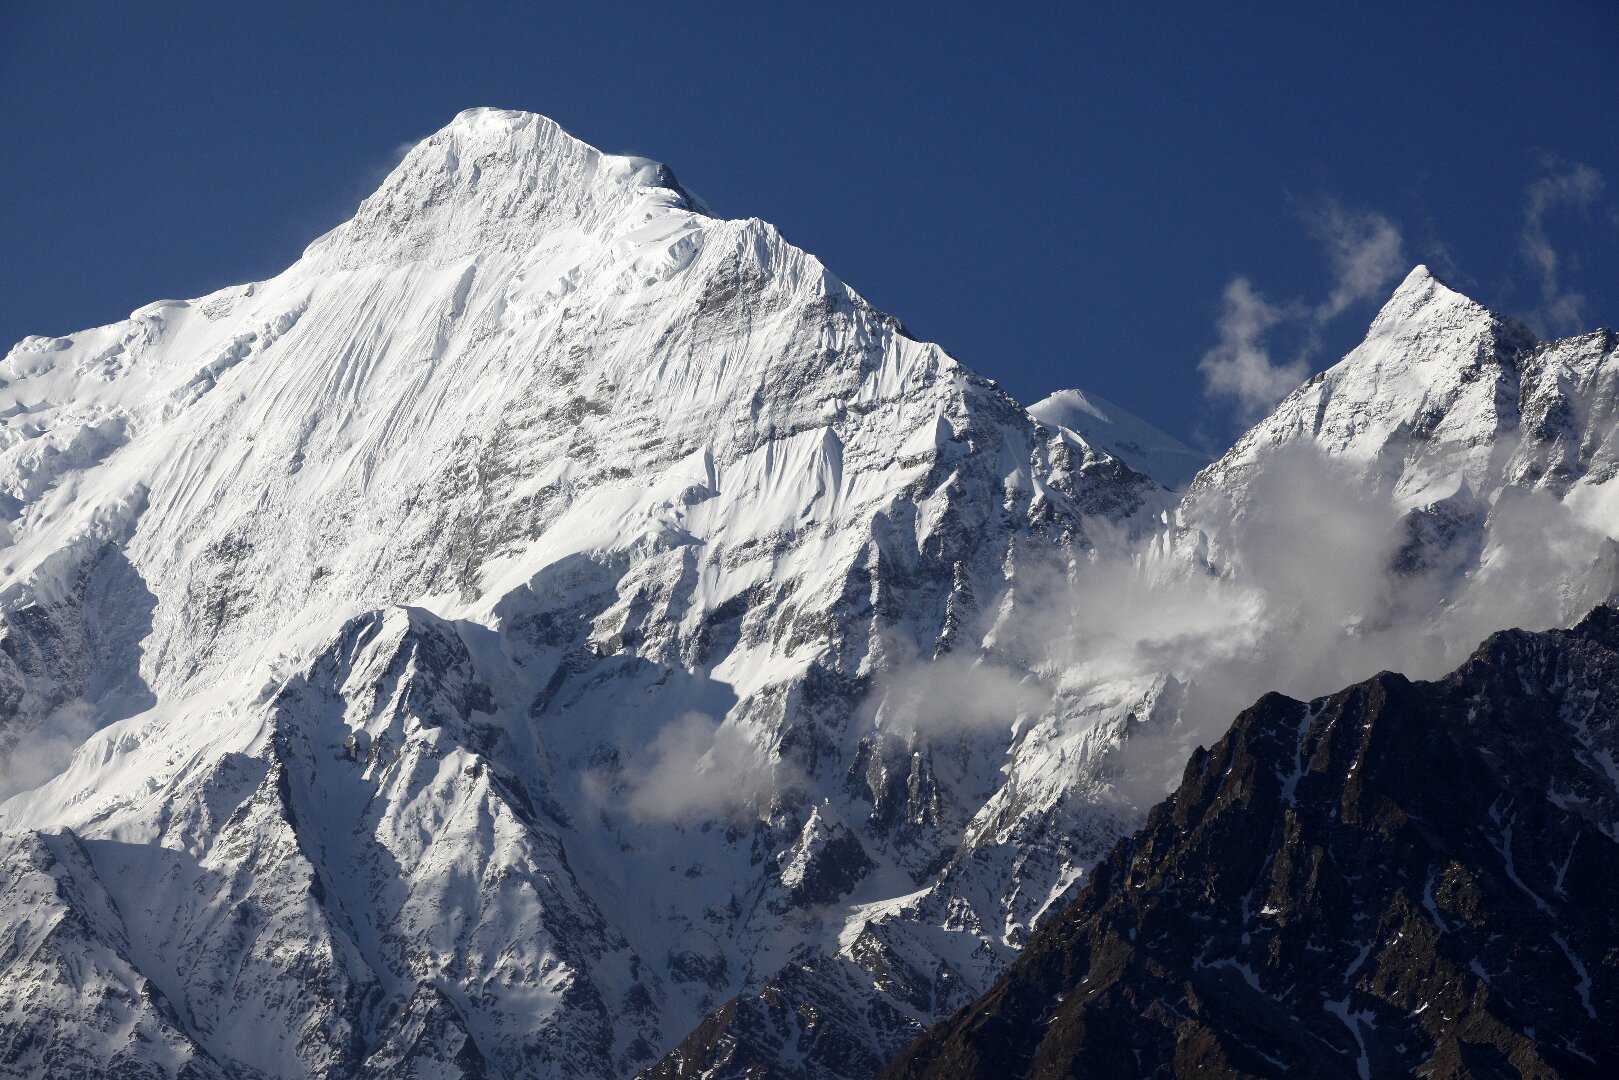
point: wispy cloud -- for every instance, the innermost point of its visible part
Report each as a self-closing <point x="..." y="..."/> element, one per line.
<point x="1240" y="366"/>
<point x="1365" y="253"/>
<point x="951" y="695"/>
<point x="695" y="769"/>
<point x="1565" y="187"/>
<point x="1319" y="580"/>
<point x="46" y="751"/>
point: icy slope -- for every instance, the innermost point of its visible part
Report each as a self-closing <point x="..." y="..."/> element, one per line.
<point x="477" y="623"/>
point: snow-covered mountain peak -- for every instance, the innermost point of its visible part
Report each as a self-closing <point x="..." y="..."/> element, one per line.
<point x="548" y="615"/>
<point x="1423" y="299"/>
<point x="484" y="526"/>
<point x="1456" y="453"/>
<point x="1102" y="425"/>
<point x="1418" y="286"/>
<point x="497" y="180"/>
<point x="1423" y="396"/>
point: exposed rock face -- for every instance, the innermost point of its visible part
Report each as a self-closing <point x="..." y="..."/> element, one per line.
<point x="1401" y="878"/>
<point x="68" y="939"/>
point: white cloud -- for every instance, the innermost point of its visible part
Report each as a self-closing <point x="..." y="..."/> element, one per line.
<point x="1240" y="366"/>
<point x="1305" y="600"/>
<point x="1365" y="253"/>
<point x="951" y="695"/>
<point x="1567" y="186"/>
<point x="45" y="751"/>
<point x="696" y="769"/>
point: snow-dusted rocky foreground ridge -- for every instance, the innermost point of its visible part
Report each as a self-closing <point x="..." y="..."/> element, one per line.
<point x="551" y="631"/>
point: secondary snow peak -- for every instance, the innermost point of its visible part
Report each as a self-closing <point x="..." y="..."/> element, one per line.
<point x="1424" y="298"/>
<point x="1139" y="445"/>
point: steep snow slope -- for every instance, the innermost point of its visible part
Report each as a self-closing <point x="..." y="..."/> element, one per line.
<point x="478" y="620"/>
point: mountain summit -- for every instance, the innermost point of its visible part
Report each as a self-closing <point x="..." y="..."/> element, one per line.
<point x="496" y="180"/>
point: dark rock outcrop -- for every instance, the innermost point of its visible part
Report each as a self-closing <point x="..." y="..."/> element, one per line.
<point x="1402" y="878"/>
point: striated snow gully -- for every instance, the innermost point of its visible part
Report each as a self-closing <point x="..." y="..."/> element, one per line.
<point x="552" y="631"/>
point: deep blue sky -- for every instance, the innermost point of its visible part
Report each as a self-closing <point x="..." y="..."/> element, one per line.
<point x="1059" y="196"/>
